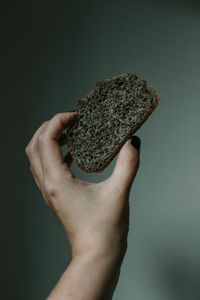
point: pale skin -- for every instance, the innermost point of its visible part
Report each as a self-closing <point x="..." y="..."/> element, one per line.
<point x="94" y="216"/>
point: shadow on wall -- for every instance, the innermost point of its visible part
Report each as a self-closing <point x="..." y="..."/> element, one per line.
<point x="180" y="276"/>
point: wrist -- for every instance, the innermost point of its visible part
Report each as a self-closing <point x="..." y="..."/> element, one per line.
<point x="108" y="255"/>
<point x="112" y="249"/>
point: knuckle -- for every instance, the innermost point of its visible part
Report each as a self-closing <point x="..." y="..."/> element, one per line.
<point x="58" y="117"/>
<point x="52" y="182"/>
<point x="50" y="188"/>
<point x="27" y="150"/>
<point x="41" y="138"/>
<point x="33" y="147"/>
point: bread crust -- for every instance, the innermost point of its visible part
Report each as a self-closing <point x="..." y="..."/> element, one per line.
<point x="128" y="136"/>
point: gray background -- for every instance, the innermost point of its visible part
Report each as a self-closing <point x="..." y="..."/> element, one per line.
<point x="52" y="54"/>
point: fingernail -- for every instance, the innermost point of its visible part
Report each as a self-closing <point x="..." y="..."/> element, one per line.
<point x="136" y="142"/>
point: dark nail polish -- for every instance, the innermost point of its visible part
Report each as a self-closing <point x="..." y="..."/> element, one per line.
<point x="136" y="142"/>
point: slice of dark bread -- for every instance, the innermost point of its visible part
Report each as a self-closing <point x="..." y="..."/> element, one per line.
<point x="108" y="116"/>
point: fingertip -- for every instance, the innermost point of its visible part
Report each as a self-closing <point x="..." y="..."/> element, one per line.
<point x="72" y="112"/>
<point x="64" y="115"/>
<point x="70" y="115"/>
<point x="136" y="142"/>
<point x="59" y="122"/>
<point x="130" y="155"/>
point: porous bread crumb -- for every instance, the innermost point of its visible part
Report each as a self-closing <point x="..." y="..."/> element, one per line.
<point x="106" y="117"/>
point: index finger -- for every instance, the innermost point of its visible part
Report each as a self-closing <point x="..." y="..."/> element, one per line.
<point x="50" y="152"/>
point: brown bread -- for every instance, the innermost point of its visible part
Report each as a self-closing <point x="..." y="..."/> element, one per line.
<point x="108" y="116"/>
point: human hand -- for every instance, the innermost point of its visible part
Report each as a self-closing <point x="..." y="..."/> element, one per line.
<point x="93" y="215"/>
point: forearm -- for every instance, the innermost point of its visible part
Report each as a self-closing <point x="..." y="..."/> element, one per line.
<point x="89" y="277"/>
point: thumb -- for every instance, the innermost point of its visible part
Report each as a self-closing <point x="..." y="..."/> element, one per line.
<point x="126" y="166"/>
